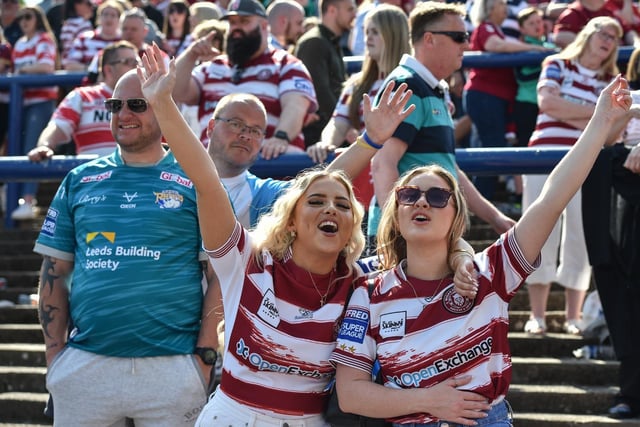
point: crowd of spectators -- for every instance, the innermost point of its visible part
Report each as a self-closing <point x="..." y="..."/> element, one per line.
<point x="288" y="53"/>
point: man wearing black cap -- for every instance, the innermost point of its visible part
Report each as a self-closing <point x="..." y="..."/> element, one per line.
<point x="277" y="78"/>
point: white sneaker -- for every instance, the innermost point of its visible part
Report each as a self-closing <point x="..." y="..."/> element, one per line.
<point x="535" y="326"/>
<point x="24" y="211"/>
<point x="571" y="327"/>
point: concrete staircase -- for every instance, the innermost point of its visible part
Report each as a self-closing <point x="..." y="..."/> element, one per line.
<point x="550" y="387"/>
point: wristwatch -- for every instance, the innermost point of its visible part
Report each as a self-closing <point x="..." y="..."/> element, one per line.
<point x="280" y="134"/>
<point x="207" y="354"/>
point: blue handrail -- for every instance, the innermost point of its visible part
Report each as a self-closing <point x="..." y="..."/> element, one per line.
<point x="15" y="85"/>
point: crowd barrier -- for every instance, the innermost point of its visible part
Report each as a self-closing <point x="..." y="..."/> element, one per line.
<point x="15" y="168"/>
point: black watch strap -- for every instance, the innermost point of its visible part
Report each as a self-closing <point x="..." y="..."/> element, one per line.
<point x="280" y="134"/>
<point x="208" y="355"/>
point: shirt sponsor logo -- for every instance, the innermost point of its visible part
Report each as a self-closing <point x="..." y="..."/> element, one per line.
<point x="303" y="85"/>
<point x="268" y="310"/>
<point x="455" y="303"/>
<point x="101" y="256"/>
<point x="50" y="222"/>
<point x="354" y="326"/>
<point x="92" y="200"/>
<point x="393" y="324"/>
<point x="264" y="75"/>
<point x="129" y="198"/>
<point x="96" y="178"/>
<point x="178" y="179"/>
<point x="169" y="199"/>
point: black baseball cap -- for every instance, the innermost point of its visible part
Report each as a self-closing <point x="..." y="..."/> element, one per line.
<point x="245" y="8"/>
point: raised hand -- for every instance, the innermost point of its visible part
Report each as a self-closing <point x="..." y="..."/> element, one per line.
<point x="382" y="120"/>
<point x="614" y="101"/>
<point x="156" y="81"/>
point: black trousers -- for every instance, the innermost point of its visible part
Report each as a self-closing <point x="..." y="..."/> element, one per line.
<point x="611" y="214"/>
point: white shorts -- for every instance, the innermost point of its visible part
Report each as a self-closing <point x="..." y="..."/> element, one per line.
<point x="224" y="411"/>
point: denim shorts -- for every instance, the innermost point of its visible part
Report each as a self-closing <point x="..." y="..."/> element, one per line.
<point x="500" y="415"/>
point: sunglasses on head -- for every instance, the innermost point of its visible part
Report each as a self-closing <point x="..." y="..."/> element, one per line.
<point x="435" y="196"/>
<point x="457" y="36"/>
<point x="177" y="9"/>
<point x="135" y="105"/>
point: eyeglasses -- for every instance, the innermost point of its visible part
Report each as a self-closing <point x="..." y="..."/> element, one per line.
<point x="26" y="16"/>
<point x="457" y="36"/>
<point x="131" y="62"/>
<point x="238" y="126"/>
<point x="135" y="105"/>
<point x="177" y="10"/>
<point x="606" y="37"/>
<point x="435" y="196"/>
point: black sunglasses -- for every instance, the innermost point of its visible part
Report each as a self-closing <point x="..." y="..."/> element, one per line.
<point x="177" y="9"/>
<point x="131" y="62"/>
<point x="135" y="105"/>
<point x="436" y="197"/>
<point x="26" y="16"/>
<point x="457" y="36"/>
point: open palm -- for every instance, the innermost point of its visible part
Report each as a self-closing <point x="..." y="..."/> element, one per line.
<point x="156" y="81"/>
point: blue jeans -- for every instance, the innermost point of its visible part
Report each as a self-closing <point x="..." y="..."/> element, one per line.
<point x="34" y="119"/>
<point x="490" y="116"/>
<point x="499" y="416"/>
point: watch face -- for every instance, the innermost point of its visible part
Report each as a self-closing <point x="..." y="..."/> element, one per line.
<point x="208" y="355"/>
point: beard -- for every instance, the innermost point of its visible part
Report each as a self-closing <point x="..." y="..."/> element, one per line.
<point x="241" y="49"/>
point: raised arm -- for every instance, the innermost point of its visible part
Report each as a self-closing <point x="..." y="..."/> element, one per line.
<point x="215" y="213"/>
<point x="566" y="178"/>
<point x="380" y="123"/>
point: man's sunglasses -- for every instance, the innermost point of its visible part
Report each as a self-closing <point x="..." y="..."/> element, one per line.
<point x="436" y="197"/>
<point x="457" y="36"/>
<point x="135" y="105"/>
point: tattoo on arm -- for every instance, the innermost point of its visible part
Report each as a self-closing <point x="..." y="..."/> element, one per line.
<point x="48" y="275"/>
<point x="46" y="317"/>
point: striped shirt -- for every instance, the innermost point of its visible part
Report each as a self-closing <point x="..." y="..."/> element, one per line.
<point x="422" y="332"/>
<point x="71" y="29"/>
<point x="86" y="46"/>
<point x="278" y="338"/>
<point x="269" y="77"/>
<point x="82" y="115"/>
<point x="40" y="49"/>
<point x="576" y="84"/>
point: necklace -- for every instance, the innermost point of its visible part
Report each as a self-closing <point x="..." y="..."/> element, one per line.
<point x="323" y="298"/>
<point x="426" y="300"/>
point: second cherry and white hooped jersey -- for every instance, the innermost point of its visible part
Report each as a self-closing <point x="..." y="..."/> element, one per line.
<point x="269" y="77"/>
<point x="423" y="332"/>
<point x="82" y="115"/>
<point x="86" y="46"/>
<point x="38" y="49"/>
<point x="278" y="338"/>
<point x="71" y="29"/>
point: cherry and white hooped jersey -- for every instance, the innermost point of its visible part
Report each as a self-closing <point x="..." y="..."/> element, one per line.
<point x="577" y="84"/>
<point x="422" y="332"/>
<point x="39" y="49"/>
<point x="86" y="46"/>
<point x="278" y="337"/>
<point x="342" y="107"/>
<point x="82" y="115"/>
<point x="268" y="77"/>
<point x="71" y="29"/>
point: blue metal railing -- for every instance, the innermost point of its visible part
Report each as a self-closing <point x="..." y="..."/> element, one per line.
<point x="473" y="160"/>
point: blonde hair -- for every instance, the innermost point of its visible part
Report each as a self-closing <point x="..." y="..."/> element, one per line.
<point x="392" y="23"/>
<point x="272" y="232"/>
<point x="578" y="47"/>
<point x="391" y="246"/>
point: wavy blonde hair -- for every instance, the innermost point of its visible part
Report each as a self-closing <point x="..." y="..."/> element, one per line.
<point x="578" y="47"/>
<point x="272" y="232"/>
<point x="392" y="247"/>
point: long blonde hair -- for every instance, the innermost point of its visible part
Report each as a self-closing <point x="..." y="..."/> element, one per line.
<point x="393" y="25"/>
<point x="272" y="232"/>
<point x="578" y="47"/>
<point x="392" y="247"/>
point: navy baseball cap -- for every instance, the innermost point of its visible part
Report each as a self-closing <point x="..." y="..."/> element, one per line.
<point x="245" y="8"/>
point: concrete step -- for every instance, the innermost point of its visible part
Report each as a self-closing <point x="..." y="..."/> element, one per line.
<point x="555" y="319"/>
<point x="21" y="262"/>
<point x="21" y="279"/>
<point x="27" y="355"/>
<point x="22" y="379"/>
<point x="23" y="407"/>
<point x="12" y="294"/>
<point x="569" y="371"/>
<point x="19" y="314"/>
<point x="550" y="345"/>
<point x="21" y="333"/>
<point x="16" y="247"/>
<point x="561" y="399"/>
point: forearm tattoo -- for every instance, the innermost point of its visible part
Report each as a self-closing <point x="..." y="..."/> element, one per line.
<point x="46" y="311"/>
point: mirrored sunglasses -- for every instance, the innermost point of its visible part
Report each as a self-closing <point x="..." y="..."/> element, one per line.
<point x="435" y="196"/>
<point x="135" y="105"/>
